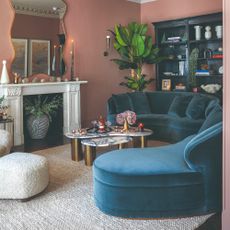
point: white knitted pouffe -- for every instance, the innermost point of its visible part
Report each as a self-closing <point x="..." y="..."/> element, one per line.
<point x="22" y="175"/>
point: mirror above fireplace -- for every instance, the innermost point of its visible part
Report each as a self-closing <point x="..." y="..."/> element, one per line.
<point x="38" y="37"/>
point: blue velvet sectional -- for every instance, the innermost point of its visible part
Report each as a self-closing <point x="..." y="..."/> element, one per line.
<point x="171" y="115"/>
<point x="179" y="179"/>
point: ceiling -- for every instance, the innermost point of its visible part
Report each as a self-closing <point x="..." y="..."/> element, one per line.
<point x="39" y="8"/>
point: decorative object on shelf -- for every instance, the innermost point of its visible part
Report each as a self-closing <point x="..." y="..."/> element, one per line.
<point x="219" y="31"/>
<point x="163" y="40"/>
<point x="40" y="111"/>
<point x="181" y="68"/>
<point x="107" y="45"/>
<point x="4" y="77"/>
<point x="126" y="118"/>
<point x="198" y="32"/>
<point x="208" y="53"/>
<point x="3" y="109"/>
<point x="17" y="78"/>
<point x="135" y="48"/>
<point x="166" y="84"/>
<point x="180" y="87"/>
<point x="221" y="70"/>
<point x="211" y="88"/>
<point x="208" y="33"/>
<point x="193" y="64"/>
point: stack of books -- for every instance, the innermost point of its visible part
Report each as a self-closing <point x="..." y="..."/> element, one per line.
<point x="202" y="72"/>
<point x="217" y="54"/>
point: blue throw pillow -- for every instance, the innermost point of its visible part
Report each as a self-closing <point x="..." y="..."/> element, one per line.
<point x="214" y="117"/>
<point x="140" y="103"/>
<point x="122" y="102"/>
<point x="179" y="106"/>
<point x="196" y="107"/>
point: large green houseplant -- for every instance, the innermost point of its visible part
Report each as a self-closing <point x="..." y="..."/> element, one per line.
<point x="135" y="48"/>
<point x="39" y="111"/>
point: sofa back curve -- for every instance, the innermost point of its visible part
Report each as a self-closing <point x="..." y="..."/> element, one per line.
<point x="171" y="115"/>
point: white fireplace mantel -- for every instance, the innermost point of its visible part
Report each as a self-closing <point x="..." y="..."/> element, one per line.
<point x="71" y="103"/>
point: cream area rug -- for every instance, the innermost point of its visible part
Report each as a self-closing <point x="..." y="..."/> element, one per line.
<point x="67" y="203"/>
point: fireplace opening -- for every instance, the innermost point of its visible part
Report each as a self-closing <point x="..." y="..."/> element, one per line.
<point x="54" y="134"/>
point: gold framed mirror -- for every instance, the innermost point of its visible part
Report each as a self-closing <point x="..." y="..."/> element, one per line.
<point x="38" y="37"/>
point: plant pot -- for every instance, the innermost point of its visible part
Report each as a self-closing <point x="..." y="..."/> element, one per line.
<point x="37" y="126"/>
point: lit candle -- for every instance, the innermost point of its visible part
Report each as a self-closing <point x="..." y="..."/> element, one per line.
<point x="72" y="47"/>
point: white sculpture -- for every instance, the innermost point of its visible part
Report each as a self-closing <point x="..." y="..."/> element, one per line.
<point x="219" y="31"/>
<point x="211" y="88"/>
<point x="4" y="77"/>
<point x="208" y="33"/>
<point x="197" y="32"/>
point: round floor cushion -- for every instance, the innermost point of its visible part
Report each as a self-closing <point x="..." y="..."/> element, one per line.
<point x="22" y="175"/>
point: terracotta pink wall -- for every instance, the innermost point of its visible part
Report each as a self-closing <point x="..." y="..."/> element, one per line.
<point x="87" y="23"/>
<point x="162" y="10"/>
<point x="226" y="160"/>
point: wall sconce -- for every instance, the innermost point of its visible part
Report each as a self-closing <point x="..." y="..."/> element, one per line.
<point x="107" y="45"/>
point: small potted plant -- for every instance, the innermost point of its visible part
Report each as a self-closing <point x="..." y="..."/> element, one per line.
<point x="39" y="111"/>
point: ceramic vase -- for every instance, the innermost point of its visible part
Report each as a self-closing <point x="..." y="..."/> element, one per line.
<point x="208" y="33"/>
<point x="219" y="31"/>
<point x="197" y="32"/>
<point x="4" y="77"/>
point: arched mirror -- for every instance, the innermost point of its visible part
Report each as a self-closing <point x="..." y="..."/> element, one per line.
<point x="38" y="36"/>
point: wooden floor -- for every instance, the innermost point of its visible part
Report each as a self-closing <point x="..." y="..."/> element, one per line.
<point x="213" y="223"/>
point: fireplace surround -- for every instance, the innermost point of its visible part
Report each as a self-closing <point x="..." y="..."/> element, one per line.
<point x="71" y="103"/>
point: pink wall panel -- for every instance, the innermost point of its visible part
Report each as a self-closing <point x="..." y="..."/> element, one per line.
<point x="87" y="23"/>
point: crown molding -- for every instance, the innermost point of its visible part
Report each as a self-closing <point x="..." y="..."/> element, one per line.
<point x="22" y="9"/>
<point x="142" y="1"/>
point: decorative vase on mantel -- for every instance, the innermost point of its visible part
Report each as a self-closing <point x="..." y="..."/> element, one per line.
<point x="4" y="77"/>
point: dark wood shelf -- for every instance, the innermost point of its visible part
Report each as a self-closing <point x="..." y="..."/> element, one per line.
<point x="205" y="40"/>
<point x="210" y="59"/>
<point x="172" y="44"/>
<point x="184" y="28"/>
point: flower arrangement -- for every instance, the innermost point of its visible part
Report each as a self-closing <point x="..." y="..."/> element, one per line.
<point x="128" y="116"/>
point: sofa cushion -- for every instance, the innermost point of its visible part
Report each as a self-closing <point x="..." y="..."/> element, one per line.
<point x="128" y="167"/>
<point x="122" y="102"/>
<point x="140" y="103"/>
<point x="210" y="106"/>
<point x="196" y="107"/>
<point x="179" y="106"/>
<point x="213" y="118"/>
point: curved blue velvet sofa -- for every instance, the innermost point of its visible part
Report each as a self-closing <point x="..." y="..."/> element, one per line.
<point x="171" y="115"/>
<point x="175" y="180"/>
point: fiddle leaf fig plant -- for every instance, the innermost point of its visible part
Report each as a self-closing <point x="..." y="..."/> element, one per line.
<point x="135" y="48"/>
